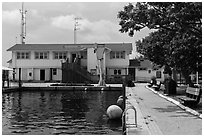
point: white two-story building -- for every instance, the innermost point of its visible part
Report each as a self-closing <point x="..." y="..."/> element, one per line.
<point x="43" y="62"/>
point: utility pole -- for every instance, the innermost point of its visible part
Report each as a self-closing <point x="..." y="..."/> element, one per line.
<point x="76" y="24"/>
<point x="23" y="24"/>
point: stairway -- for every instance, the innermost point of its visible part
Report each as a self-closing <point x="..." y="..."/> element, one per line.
<point x="74" y="73"/>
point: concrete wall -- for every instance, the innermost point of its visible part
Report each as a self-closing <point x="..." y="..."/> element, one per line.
<point x="91" y="59"/>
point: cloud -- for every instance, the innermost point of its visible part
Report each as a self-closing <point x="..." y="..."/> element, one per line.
<point x="63" y="22"/>
<point x="91" y="30"/>
<point x="11" y="17"/>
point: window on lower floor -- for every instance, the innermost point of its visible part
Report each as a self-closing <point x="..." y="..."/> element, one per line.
<point x="140" y="69"/>
<point x="30" y="74"/>
<point x="54" y="71"/>
<point x="158" y="74"/>
<point x="93" y="71"/>
<point x="117" y="71"/>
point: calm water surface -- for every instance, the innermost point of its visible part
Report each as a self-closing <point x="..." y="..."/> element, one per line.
<point x="61" y="112"/>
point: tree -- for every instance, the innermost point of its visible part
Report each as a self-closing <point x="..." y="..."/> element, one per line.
<point x="171" y="16"/>
<point x="167" y="49"/>
<point x="177" y="41"/>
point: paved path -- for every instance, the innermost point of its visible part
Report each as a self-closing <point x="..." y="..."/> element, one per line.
<point x="162" y="116"/>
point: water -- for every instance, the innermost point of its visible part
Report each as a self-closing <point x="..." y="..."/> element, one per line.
<point x="61" y="112"/>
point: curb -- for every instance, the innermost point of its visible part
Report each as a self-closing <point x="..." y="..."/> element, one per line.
<point x="187" y="109"/>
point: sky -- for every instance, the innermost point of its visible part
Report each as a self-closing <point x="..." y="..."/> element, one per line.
<point x="53" y="22"/>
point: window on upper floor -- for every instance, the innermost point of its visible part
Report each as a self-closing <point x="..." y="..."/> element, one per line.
<point x="117" y="55"/>
<point x="41" y="55"/>
<point x="83" y="54"/>
<point x="60" y="55"/>
<point x="23" y="55"/>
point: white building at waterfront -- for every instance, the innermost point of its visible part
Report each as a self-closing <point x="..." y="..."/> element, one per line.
<point x="43" y="62"/>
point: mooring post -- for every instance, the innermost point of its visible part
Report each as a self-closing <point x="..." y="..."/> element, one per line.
<point x="8" y="83"/>
<point x="3" y="83"/>
<point x="19" y="80"/>
<point x="124" y="96"/>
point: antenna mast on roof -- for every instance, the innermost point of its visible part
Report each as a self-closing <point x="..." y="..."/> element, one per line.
<point x="76" y="24"/>
<point x="23" y="24"/>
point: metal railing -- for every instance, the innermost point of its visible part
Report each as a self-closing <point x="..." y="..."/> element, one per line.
<point x="124" y="125"/>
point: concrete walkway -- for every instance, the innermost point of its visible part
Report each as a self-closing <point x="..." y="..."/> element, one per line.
<point x="157" y="115"/>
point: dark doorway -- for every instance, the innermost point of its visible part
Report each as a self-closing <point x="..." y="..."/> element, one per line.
<point x="50" y="74"/>
<point x="42" y="74"/>
<point x="132" y="73"/>
<point x="73" y="57"/>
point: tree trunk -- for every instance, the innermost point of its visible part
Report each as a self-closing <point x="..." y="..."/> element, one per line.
<point x="174" y="72"/>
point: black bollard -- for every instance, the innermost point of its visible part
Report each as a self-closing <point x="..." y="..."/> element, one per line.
<point x="19" y="80"/>
<point x="124" y="106"/>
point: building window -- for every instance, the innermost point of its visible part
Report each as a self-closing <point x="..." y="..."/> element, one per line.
<point x="30" y="74"/>
<point x="54" y="71"/>
<point x="93" y="71"/>
<point x="18" y="55"/>
<point x="83" y="55"/>
<point x="158" y="74"/>
<point x="23" y="55"/>
<point x="117" y="71"/>
<point x="60" y="55"/>
<point x="41" y="55"/>
<point x="27" y="56"/>
<point x="142" y="69"/>
<point x="122" y="55"/>
<point x="117" y="55"/>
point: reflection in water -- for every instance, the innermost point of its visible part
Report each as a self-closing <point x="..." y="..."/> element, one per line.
<point x="61" y="112"/>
